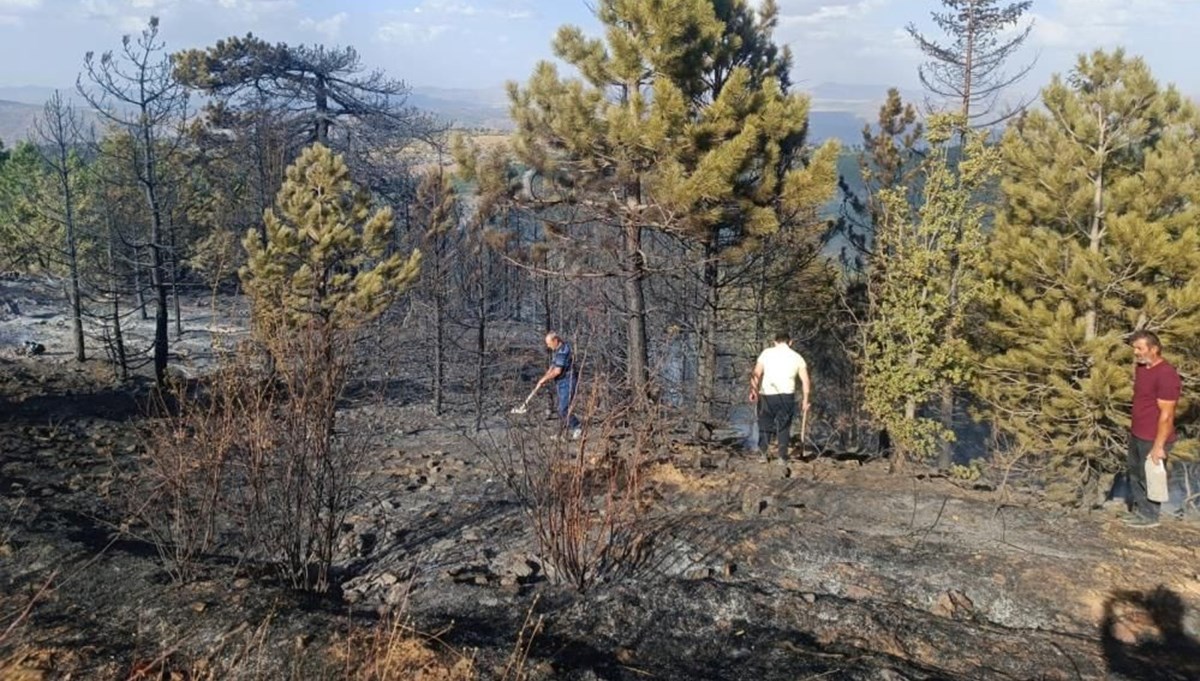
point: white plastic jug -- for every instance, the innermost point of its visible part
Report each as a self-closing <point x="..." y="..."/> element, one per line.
<point x="1156" y="480"/>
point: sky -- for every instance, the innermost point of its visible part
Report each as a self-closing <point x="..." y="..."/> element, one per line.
<point x="483" y="43"/>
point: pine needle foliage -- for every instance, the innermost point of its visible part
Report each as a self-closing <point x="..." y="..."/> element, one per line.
<point x="1099" y="236"/>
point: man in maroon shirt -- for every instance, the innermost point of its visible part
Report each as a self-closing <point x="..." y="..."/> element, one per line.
<point x="1156" y="388"/>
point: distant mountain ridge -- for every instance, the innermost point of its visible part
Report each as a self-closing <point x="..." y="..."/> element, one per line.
<point x="16" y="121"/>
<point x="839" y="110"/>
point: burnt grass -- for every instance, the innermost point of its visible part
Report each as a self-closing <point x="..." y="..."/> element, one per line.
<point x="834" y="568"/>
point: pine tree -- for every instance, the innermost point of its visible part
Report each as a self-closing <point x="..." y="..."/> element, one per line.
<point x="984" y="35"/>
<point x="320" y="277"/>
<point x="314" y="89"/>
<point x="20" y="175"/>
<point x="435" y="213"/>
<point x="929" y="282"/>
<point x="594" y="141"/>
<point x="136" y="93"/>
<point x="741" y="171"/>
<point x="889" y="160"/>
<point x="323" y="263"/>
<point x="968" y="71"/>
<point x="58" y="130"/>
<point x="680" y="122"/>
<point x="1099" y="236"/>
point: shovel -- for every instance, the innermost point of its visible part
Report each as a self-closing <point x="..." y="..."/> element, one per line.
<point x="524" y="406"/>
<point x="803" y="430"/>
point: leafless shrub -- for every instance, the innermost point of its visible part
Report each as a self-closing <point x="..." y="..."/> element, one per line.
<point x="586" y="499"/>
<point x="182" y="478"/>
<point x="256" y="453"/>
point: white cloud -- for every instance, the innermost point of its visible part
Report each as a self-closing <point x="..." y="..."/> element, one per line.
<point x="329" y="27"/>
<point x="1080" y="25"/>
<point x="448" y="7"/>
<point x="11" y="11"/>
<point x="458" y="8"/>
<point x="127" y="16"/>
<point x="253" y="9"/>
<point x="406" y="32"/>
<point x="824" y="12"/>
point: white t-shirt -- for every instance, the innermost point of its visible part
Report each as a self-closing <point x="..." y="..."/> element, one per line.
<point x="781" y="365"/>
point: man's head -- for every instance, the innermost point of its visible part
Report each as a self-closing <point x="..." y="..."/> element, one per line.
<point x="1147" y="349"/>
<point x="783" y="338"/>
<point x="553" y="340"/>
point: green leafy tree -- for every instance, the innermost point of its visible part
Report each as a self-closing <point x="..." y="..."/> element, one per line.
<point x="890" y="159"/>
<point x="929" y="282"/>
<point x="1099" y="236"/>
<point x="20" y="175"/>
<point x="969" y="72"/>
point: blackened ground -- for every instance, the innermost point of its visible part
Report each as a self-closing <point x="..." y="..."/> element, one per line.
<point x="838" y="570"/>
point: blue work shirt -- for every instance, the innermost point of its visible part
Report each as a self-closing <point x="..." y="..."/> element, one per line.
<point x="563" y="360"/>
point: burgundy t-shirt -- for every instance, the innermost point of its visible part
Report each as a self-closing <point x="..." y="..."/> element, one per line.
<point x="1150" y="384"/>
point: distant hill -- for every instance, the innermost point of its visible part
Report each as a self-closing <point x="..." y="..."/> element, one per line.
<point x="488" y="108"/>
<point x="839" y="125"/>
<point x="19" y="106"/>
<point x="16" y="121"/>
<point x="839" y="110"/>
<point x="465" y="108"/>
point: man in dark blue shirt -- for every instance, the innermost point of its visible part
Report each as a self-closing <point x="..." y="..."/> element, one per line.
<point x="562" y="372"/>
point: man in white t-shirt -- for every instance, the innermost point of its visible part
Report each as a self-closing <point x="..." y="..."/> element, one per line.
<point x="773" y="387"/>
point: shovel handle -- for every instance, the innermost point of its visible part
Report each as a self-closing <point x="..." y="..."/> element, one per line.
<point x="803" y="429"/>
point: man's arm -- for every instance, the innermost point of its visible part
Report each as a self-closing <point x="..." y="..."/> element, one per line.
<point x="755" y="379"/>
<point x="806" y="385"/>
<point x="551" y="374"/>
<point x="1166" y="421"/>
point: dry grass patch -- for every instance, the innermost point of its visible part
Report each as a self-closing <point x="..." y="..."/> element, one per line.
<point x="667" y="473"/>
<point x="395" y="651"/>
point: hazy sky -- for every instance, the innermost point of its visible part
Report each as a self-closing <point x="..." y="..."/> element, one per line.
<point x="480" y="43"/>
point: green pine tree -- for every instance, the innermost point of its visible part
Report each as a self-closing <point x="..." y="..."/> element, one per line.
<point x="323" y="265"/>
<point x="20" y="176"/>
<point x="740" y="171"/>
<point x="595" y="141"/>
<point x="928" y="282"/>
<point x="321" y="276"/>
<point x="1099" y="236"/>
<point x="681" y="122"/>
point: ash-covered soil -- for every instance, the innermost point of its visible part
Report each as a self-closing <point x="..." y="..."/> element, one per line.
<point x="828" y="569"/>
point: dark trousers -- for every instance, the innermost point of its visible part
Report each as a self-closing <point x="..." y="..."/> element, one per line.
<point x="775" y="414"/>
<point x="1135" y="459"/>
<point x="566" y="394"/>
